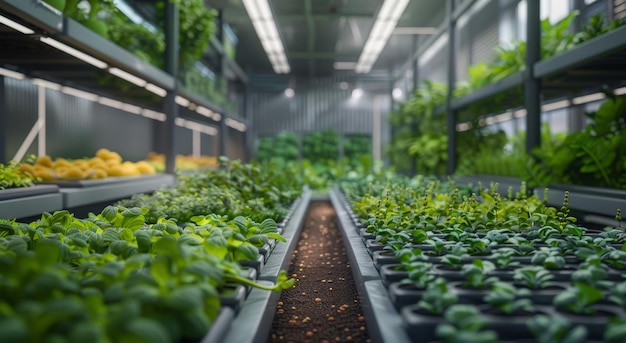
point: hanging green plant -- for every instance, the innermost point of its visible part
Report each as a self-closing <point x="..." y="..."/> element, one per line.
<point x="196" y="26"/>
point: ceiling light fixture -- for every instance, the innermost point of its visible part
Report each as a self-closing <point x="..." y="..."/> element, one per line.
<point x="239" y="126"/>
<point x="265" y="27"/>
<point x="289" y="92"/>
<point x="80" y="94"/>
<point x="156" y="90"/>
<point x="556" y="105"/>
<point x="47" y="84"/>
<point x="620" y="91"/>
<point x="588" y="98"/>
<point x="386" y="21"/>
<point x="357" y="93"/>
<point x="71" y="51"/>
<point x="12" y="74"/>
<point x="16" y="26"/>
<point x="344" y="65"/>
<point x="415" y="30"/>
<point x="397" y="93"/>
<point x="137" y="81"/>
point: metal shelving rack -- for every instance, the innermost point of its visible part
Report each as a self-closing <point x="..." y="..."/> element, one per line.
<point x="44" y="62"/>
<point x="594" y="66"/>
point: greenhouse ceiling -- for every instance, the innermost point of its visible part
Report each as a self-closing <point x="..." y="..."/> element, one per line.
<point x="327" y="37"/>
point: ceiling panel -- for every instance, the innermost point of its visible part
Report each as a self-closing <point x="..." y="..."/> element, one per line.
<point x="316" y="33"/>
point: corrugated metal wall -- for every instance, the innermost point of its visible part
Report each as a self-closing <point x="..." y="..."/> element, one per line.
<point x="77" y="127"/>
<point x="318" y="105"/>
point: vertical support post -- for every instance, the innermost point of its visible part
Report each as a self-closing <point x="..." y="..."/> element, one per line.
<point x="41" y="119"/>
<point x="170" y="108"/>
<point x="376" y="139"/>
<point x="220" y="72"/>
<point x="223" y="136"/>
<point x="452" y="141"/>
<point x="416" y="80"/>
<point x="532" y="85"/>
<point x="3" y="122"/>
<point x="249" y="135"/>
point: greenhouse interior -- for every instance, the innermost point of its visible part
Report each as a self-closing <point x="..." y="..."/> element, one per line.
<point x="381" y="171"/>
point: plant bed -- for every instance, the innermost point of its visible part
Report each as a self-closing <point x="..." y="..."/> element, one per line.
<point x="404" y="294"/>
<point x="324" y="303"/>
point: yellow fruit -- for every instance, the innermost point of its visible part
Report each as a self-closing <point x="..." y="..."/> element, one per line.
<point x="73" y="173"/>
<point x="61" y="162"/>
<point x="145" y="168"/>
<point x="112" y="163"/>
<point x="45" y="161"/>
<point x="99" y="173"/>
<point x="27" y="169"/>
<point x="96" y="161"/>
<point x="115" y="170"/>
<point x="102" y="153"/>
<point x="130" y="169"/>
<point x="45" y="174"/>
<point x="82" y="165"/>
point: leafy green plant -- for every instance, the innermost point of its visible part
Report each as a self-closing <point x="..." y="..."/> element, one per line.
<point x="579" y="298"/>
<point x="437" y="298"/>
<point x="477" y="274"/>
<point x="506" y="298"/>
<point x="533" y="277"/>
<point x="556" y="329"/>
<point x="466" y="324"/>
<point x="11" y="176"/>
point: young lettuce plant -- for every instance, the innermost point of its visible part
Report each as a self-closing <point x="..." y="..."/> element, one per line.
<point x="505" y="297"/>
<point x="477" y="274"/>
<point x="533" y="277"/>
<point x="556" y="329"/>
<point x="466" y="324"/>
<point x="503" y="258"/>
<point x="437" y="298"/>
<point x="579" y="298"/>
<point x="550" y="258"/>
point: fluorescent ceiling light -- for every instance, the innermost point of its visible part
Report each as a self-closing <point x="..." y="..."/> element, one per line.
<point x="12" y="74"/>
<point x="397" y="93"/>
<point x="111" y="103"/>
<point x="204" y="111"/>
<point x="156" y="90"/>
<point x="265" y="27"/>
<point x="386" y="21"/>
<point x="520" y="113"/>
<point x="47" y="84"/>
<point x="415" y="31"/>
<point x="16" y="26"/>
<point x="217" y="116"/>
<point x="132" y="108"/>
<point x="557" y="105"/>
<point x="194" y="126"/>
<point x="71" y="51"/>
<point x="588" y="98"/>
<point x="344" y="65"/>
<point x="620" y="91"/>
<point x="80" y="94"/>
<point x="357" y="93"/>
<point x="239" y="126"/>
<point x="137" y="81"/>
<point x="182" y="101"/>
<point x="289" y="92"/>
<point x="153" y="114"/>
<point x="460" y="127"/>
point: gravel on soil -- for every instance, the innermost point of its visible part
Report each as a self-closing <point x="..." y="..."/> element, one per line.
<point x="323" y="305"/>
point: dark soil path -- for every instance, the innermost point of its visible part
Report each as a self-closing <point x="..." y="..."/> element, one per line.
<point x="324" y="304"/>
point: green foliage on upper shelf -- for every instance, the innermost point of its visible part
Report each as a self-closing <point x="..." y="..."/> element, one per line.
<point x="419" y="125"/>
<point x="237" y="189"/>
<point x="593" y="156"/>
<point x="113" y="277"/>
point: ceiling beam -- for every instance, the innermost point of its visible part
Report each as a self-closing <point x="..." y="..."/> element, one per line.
<point x="311" y="34"/>
<point x="232" y="17"/>
<point x="300" y="55"/>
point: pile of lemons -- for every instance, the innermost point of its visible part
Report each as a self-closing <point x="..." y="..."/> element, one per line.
<point x="184" y="162"/>
<point x="105" y="163"/>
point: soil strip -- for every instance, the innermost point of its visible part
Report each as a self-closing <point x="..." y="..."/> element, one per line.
<point x="324" y="305"/>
